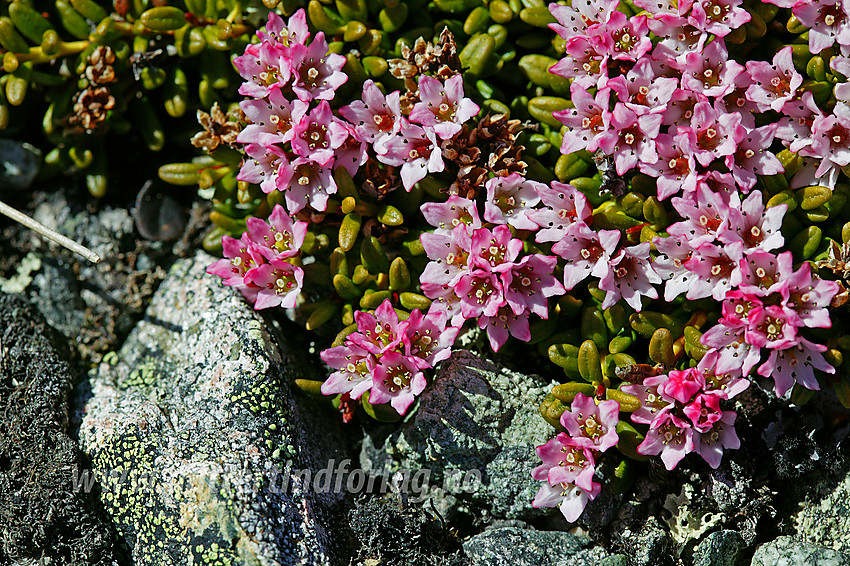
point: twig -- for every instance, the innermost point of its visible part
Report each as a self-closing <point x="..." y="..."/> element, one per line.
<point x="40" y="228"/>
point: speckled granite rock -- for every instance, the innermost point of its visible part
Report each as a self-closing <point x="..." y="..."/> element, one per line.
<point x="789" y="551"/>
<point x="825" y="519"/>
<point x="475" y="419"/>
<point x="528" y="547"/>
<point x="720" y="548"/>
<point x="187" y="426"/>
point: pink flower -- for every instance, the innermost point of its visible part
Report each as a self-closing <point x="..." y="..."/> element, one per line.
<point x="711" y="443"/>
<point x="679" y="37"/>
<point x="712" y="135"/>
<point x="240" y="256"/>
<point x="480" y="293"/>
<point x="733" y="353"/>
<point x="415" y="149"/>
<point x="773" y="85"/>
<point x="442" y="106"/>
<point x="280" y="283"/>
<point x="652" y="398"/>
<point x="796" y="364"/>
<point x="306" y="182"/>
<point x="376" y="118"/>
<point x="352" y="153"/>
<point x="706" y="217"/>
<point x="828" y="20"/>
<point x="396" y="380"/>
<point x="683" y="385"/>
<point x="494" y="251"/>
<point x="564" y="206"/>
<point x="670" y="265"/>
<point x="756" y="228"/>
<point x="295" y="31"/>
<point x="717" y="270"/>
<point x="280" y="237"/>
<point x="427" y="339"/>
<point x="631" y="277"/>
<point x="765" y="273"/>
<point x="586" y="253"/>
<point x="380" y="332"/>
<point x="449" y="255"/>
<point x="569" y="498"/>
<point x="704" y="411"/>
<point x="316" y="72"/>
<point x="354" y="370"/>
<point x="669" y="436"/>
<point x="271" y="119"/>
<point x="631" y="138"/>
<point x="510" y="200"/>
<point x="565" y="461"/>
<point x="772" y="327"/>
<point x="263" y="165"/>
<point x="752" y="157"/>
<point x="446" y="216"/>
<point x="831" y="139"/>
<point x="675" y="169"/>
<point x="592" y="425"/>
<point x="505" y="321"/>
<point x="529" y="283"/>
<point x="718" y="17"/>
<point x="575" y="19"/>
<point x="265" y="68"/>
<point x="318" y="135"/>
<point x="810" y="297"/>
<point x="587" y="120"/>
<point x="725" y="385"/>
<point x="624" y="38"/>
<point x="711" y="72"/>
<point x="584" y="63"/>
<point x="642" y="91"/>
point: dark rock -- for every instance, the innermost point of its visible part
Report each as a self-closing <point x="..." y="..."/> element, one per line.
<point x="475" y="432"/>
<point x="388" y="534"/>
<point x="528" y="547"/>
<point x="720" y="548"/>
<point x="789" y="551"/>
<point x="19" y="164"/>
<point x="42" y="516"/>
<point x="220" y="460"/>
<point x="651" y="546"/>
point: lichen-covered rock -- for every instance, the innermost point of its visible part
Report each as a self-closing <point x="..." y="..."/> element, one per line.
<point x="475" y="432"/>
<point x="650" y="546"/>
<point x="528" y="547"/>
<point x="197" y="440"/>
<point x="789" y="551"/>
<point x="825" y="518"/>
<point x="20" y="162"/>
<point x="720" y="548"/>
<point x="42" y="516"/>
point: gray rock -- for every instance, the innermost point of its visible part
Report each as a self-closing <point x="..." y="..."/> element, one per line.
<point x="528" y="547"/>
<point x="651" y="546"/>
<point x="203" y="453"/>
<point x="475" y="431"/>
<point x="789" y="551"/>
<point x="19" y="164"/>
<point x="825" y="520"/>
<point x="720" y="548"/>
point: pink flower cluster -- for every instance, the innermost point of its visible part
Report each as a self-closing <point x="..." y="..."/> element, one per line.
<point x="260" y="263"/>
<point x="293" y="140"/>
<point x="476" y="272"/>
<point x="569" y="459"/>
<point x="683" y="412"/>
<point x="386" y="356"/>
<point x="769" y="309"/>
<point x="681" y="107"/>
<point x="411" y="142"/>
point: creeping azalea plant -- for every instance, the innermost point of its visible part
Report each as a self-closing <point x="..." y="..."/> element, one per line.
<point x="658" y="97"/>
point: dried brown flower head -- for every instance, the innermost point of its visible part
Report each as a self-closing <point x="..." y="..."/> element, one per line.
<point x="99" y="70"/>
<point x="91" y="107"/>
<point x="217" y="130"/>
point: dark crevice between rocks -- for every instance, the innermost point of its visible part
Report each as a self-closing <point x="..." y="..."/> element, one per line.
<point x="42" y="516"/>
